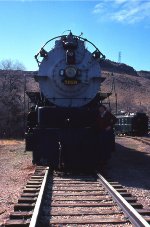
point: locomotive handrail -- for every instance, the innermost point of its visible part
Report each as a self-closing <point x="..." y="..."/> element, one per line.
<point x="61" y="36"/>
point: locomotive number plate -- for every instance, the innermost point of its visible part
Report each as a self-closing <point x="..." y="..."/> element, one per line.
<point x="70" y="82"/>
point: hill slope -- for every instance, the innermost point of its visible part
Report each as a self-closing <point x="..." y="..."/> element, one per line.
<point x="132" y="90"/>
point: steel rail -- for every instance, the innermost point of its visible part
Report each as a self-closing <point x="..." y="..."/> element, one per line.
<point x="36" y="210"/>
<point x="143" y="140"/>
<point x="134" y="217"/>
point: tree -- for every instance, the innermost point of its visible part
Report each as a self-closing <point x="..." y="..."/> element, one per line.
<point x="9" y="64"/>
<point x="11" y="98"/>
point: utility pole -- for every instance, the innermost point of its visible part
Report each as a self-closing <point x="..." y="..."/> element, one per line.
<point x="119" y="57"/>
<point x="24" y="101"/>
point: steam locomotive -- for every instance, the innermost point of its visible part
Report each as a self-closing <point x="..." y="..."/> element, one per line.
<point x="60" y="129"/>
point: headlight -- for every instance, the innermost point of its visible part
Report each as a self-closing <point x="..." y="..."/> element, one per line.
<point x="70" y="72"/>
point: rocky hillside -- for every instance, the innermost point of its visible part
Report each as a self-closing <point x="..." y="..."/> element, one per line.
<point x="145" y="74"/>
<point x="115" y="67"/>
<point x="132" y="88"/>
<point x="133" y="92"/>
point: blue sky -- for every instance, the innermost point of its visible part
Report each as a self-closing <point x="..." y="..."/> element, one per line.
<point x="112" y="25"/>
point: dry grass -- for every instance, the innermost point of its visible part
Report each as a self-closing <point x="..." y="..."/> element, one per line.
<point x="10" y="142"/>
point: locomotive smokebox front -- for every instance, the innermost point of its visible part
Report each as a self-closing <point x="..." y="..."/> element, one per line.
<point x="69" y="75"/>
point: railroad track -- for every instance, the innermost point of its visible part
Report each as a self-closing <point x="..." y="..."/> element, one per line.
<point x="57" y="199"/>
<point x="145" y="140"/>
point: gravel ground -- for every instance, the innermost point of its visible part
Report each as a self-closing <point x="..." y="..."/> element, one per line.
<point x="16" y="168"/>
<point x="130" y="166"/>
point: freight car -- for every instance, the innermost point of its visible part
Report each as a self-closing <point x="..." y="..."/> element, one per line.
<point x="135" y="124"/>
<point x="60" y="126"/>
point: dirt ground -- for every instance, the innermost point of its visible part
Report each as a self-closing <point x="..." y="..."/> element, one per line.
<point x="15" y="168"/>
<point x="130" y="166"/>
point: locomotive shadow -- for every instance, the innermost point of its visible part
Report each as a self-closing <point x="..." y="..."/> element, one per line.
<point x="130" y="167"/>
<point x="45" y="211"/>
